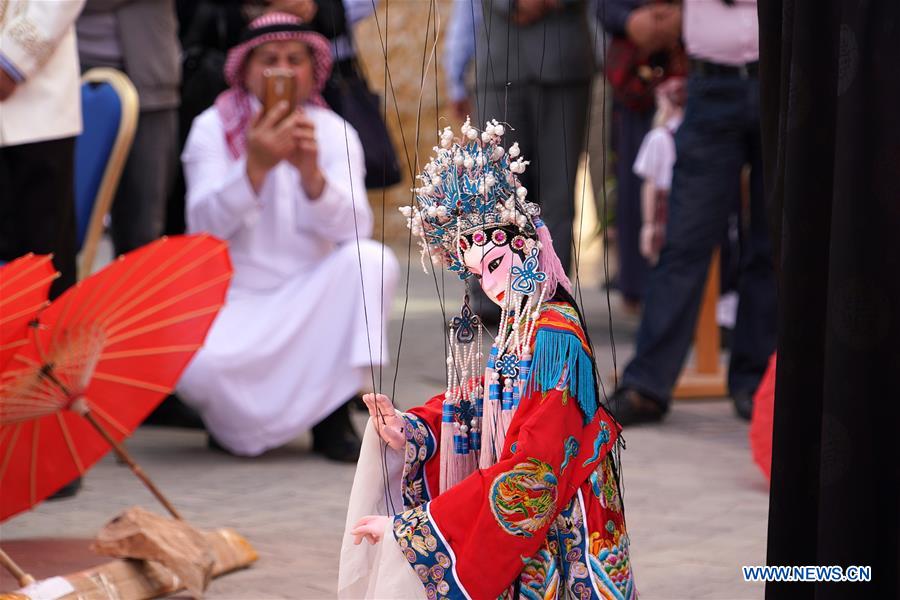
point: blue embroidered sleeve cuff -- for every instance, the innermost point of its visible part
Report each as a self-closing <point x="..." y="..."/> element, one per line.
<point x="423" y="546"/>
<point x="11" y="69"/>
<point x="420" y="448"/>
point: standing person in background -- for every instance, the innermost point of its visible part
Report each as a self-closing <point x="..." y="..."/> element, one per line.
<point x="40" y="115"/>
<point x="653" y="27"/>
<point x="139" y="37"/>
<point x="719" y="135"/>
<point x="535" y="61"/>
<point x="459" y="53"/>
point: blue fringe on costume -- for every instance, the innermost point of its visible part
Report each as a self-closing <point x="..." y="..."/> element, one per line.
<point x="553" y="352"/>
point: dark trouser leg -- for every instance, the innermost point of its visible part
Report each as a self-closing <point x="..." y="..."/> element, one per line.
<point x="335" y="436"/>
<point x="37" y="212"/>
<point x="711" y="148"/>
<point x="754" y="332"/>
<point x="631" y="127"/>
<point x="37" y="204"/>
<point x="138" y="212"/>
<point x="510" y="105"/>
<point x="561" y="112"/>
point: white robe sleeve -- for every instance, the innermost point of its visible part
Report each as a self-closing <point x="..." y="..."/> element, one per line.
<point x="220" y="199"/>
<point x="32" y="34"/>
<point x="379" y="571"/>
<point x="342" y="212"/>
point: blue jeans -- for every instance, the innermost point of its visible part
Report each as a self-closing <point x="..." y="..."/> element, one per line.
<point x="719" y="135"/>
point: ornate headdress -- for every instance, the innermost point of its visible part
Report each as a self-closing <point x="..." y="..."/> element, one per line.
<point x="470" y="194"/>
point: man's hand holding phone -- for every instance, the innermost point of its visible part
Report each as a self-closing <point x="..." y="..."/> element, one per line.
<point x="281" y="131"/>
<point x="270" y="140"/>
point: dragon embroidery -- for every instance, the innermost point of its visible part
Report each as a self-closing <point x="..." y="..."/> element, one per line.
<point x="523" y="500"/>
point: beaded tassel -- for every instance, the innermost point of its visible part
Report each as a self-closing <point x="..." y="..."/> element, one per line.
<point x="462" y="410"/>
<point x="518" y="320"/>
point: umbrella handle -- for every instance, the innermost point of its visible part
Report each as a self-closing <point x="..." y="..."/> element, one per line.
<point x="80" y="406"/>
<point x="10" y="565"/>
<point x="135" y="468"/>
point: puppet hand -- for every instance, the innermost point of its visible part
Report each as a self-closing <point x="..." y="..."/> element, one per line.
<point x="371" y="528"/>
<point x="388" y="425"/>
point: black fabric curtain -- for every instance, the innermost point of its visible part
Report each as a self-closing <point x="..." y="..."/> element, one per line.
<point x="830" y="78"/>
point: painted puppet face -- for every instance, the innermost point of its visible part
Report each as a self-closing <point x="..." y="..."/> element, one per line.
<point x="492" y="265"/>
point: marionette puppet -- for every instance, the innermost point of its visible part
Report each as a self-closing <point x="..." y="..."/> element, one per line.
<point x="506" y="485"/>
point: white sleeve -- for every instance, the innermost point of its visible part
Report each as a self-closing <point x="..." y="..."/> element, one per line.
<point x="361" y="565"/>
<point x="342" y="213"/>
<point x="31" y="37"/>
<point x="220" y="199"/>
<point x="656" y="158"/>
<point x="667" y="163"/>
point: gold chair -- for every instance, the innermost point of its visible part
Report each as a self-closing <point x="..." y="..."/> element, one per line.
<point x="110" y="109"/>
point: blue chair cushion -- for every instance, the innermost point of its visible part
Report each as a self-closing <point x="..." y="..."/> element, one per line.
<point x="101" y="112"/>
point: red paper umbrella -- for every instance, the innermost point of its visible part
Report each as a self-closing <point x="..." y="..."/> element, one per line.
<point x="24" y="285"/>
<point x="101" y="358"/>
<point x="763" y="419"/>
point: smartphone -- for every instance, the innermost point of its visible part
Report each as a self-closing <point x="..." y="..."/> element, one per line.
<point x="280" y="84"/>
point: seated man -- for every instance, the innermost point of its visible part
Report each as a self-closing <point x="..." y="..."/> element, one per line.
<point x="305" y="317"/>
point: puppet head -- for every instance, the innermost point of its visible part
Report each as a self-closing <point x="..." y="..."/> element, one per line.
<point x="472" y="216"/>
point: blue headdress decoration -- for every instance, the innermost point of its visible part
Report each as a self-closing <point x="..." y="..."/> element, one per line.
<point x="469" y="188"/>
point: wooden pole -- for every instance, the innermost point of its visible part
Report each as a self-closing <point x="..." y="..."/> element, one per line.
<point x="10" y="565"/>
<point x="706" y="377"/>
<point x="135" y="468"/>
<point x="81" y="407"/>
<point x="707" y="341"/>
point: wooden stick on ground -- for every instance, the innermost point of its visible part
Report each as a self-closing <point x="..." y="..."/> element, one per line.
<point x="135" y="468"/>
<point x="141" y="580"/>
<point x="81" y="407"/>
<point x="10" y="565"/>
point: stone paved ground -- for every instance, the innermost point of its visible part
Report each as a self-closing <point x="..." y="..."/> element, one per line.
<point x="696" y="505"/>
